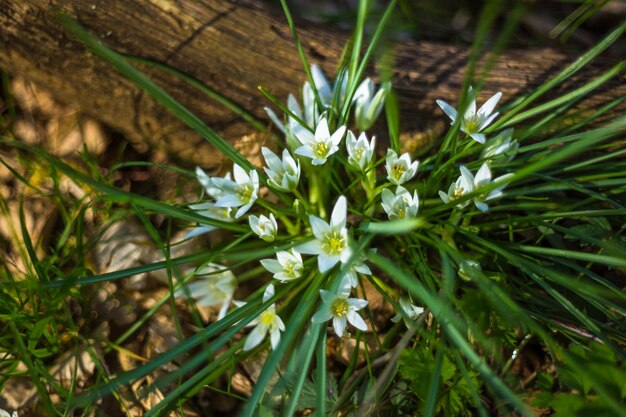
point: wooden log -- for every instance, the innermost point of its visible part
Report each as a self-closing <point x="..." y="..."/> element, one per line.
<point x="233" y="47"/>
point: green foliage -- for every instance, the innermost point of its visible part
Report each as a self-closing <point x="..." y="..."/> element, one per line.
<point x="454" y="398"/>
<point x="577" y="395"/>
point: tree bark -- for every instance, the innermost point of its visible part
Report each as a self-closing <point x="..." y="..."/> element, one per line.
<point x="233" y="47"/>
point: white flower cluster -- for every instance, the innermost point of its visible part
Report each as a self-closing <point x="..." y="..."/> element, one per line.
<point x="311" y="143"/>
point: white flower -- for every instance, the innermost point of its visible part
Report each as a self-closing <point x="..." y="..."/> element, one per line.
<point x="207" y="183"/>
<point x="324" y="89"/>
<point x="400" y="170"/>
<point x="268" y="320"/>
<point x="463" y="185"/>
<point x="265" y="228"/>
<point x="342" y="310"/>
<point x="211" y="211"/>
<point x="310" y="112"/>
<point x="501" y="144"/>
<point x="401" y="205"/>
<point x="320" y="146"/>
<point x="411" y="311"/>
<point x="283" y="175"/>
<point x="360" y="151"/>
<point x="215" y="286"/>
<point x="241" y="193"/>
<point x="467" y="183"/>
<point x="286" y="267"/>
<point x="474" y="122"/>
<point x="331" y="240"/>
<point x="367" y="105"/>
<point x="6" y="413"/>
<point x="350" y="279"/>
<point x="483" y="178"/>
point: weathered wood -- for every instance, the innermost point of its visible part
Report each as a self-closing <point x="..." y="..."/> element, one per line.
<point x="233" y="47"/>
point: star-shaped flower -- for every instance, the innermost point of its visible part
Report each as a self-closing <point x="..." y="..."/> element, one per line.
<point x="331" y="240"/>
<point x="410" y="310"/>
<point x="215" y="286"/>
<point x="320" y="146"/>
<point x="268" y="321"/>
<point x="360" y="151"/>
<point x="483" y="178"/>
<point x="367" y="105"/>
<point x="286" y="267"/>
<point x="467" y="183"/>
<point x="401" y="205"/>
<point x="207" y="183"/>
<point x="241" y="193"/>
<point x="463" y="185"/>
<point x="266" y="228"/>
<point x="497" y="148"/>
<point x="474" y="121"/>
<point x="400" y="170"/>
<point x="342" y="310"/>
<point x="282" y="175"/>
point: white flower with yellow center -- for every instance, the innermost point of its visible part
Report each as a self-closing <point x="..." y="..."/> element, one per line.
<point x="342" y="310"/>
<point x="474" y="121"/>
<point x="310" y="112"/>
<point x="215" y="286"/>
<point x="412" y="312"/>
<point x="6" y="413"/>
<point x="350" y="279"/>
<point x="209" y="209"/>
<point x="483" y="178"/>
<point x="241" y="193"/>
<point x="463" y="185"/>
<point x="286" y="267"/>
<point x="467" y="183"/>
<point x="400" y="205"/>
<point x="282" y="175"/>
<point x="501" y="148"/>
<point x="320" y="146"/>
<point x="360" y="151"/>
<point x="367" y="105"/>
<point x="331" y="240"/>
<point x="267" y="321"/>
<point x="400" y="169"/>
<point x="266" y="228"/>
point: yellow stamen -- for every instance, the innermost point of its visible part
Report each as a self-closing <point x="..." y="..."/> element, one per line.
<point x="320" y="149"/>
<point x="397" y="171"/>
<point x="333" y="243"/>
<point x="339" y="307"/>
<point x="245" y="192"/>
<point x="458" y="192"/>
<point x="268" y="317"/>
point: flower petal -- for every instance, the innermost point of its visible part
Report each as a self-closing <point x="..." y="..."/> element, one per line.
<point x="448" y="110"/>
<point x="272" y="265"/>
<point x="338" y="217"/>
<point x="319" y="226"/>
<point x="322" y="315"/>
<point x="325" y="262"/>
<point x="356" y="321"/>
<point x="312" y="247"/>
<point x="483" y="176"/>
<point x="490" y="104"/>
<point x="255" y="337"/>
<point x="339" y="324"/>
